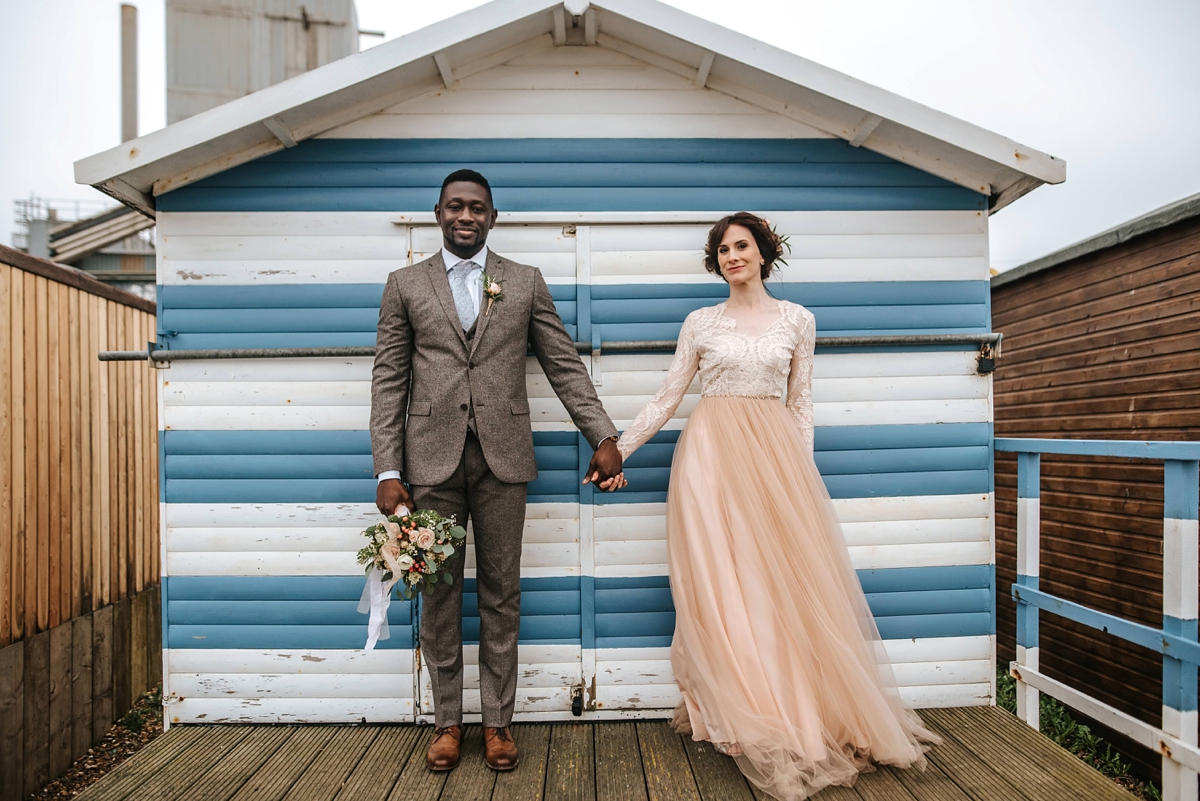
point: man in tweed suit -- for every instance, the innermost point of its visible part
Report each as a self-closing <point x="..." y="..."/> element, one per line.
<point x="450" y="413"/>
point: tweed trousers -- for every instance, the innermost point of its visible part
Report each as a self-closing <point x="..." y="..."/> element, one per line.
<point x="497" y="514"/>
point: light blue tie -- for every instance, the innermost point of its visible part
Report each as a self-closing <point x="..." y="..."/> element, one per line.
<point x="462" y="294"/>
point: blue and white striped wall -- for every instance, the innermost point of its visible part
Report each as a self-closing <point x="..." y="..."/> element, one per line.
<point x="266" y="464"/>
<point x="1179" y="617"/>
<point x="267" y="472"/>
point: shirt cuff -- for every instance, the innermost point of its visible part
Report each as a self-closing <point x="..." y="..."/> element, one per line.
<point x="387" y="474"/>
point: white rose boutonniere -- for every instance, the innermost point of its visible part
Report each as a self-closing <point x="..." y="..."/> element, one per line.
<point x="492" y="290"/>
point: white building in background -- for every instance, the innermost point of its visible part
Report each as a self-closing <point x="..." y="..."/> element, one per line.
<point x="220" y="50"/>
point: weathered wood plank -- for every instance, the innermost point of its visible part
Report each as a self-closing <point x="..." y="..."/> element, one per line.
<point x="1014" y="743"/>
<point x="570" y="772"/>
<point x="176" y="779"/>
<point x="12" y="712"/>
<point x="75" y="351"/>
<point x="233" y="771"/>
<point x="880" y="785"/>
<point x="139" y="619"/>
<point x="89" y="362"/>
<point x="417" y="782"/>
<point x="472" y="778"/>
<point x="7" y="454"/>
<point x="279" y="773"/>
<point x="154" y="633"/>
<point x="158" y="755"/>
<point x="29" y="531"/>
<point x="974" y="776"/>
<point x="37" y="711"/>
<point x="380" y="766"/>
<point x="17" y="457"/>
<point x="619" y="774"/>
<point x="81" y="685"/>
<point x="668" y="774"/>
<point x="65" y="510"/>
<point x="41" y="551"/>
<point x="528" y="781"/>
<point x="53" y="453"/>
<point x="102" y="676"/>
<point x="930" y="784"/>
<point x="834" y="793"/>
<point x="325" y="774"/>
<point x="121" y="646"/>
<point x="717" y="776"/>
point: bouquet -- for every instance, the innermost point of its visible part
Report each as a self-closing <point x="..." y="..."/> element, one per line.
<point x="409" y="549"/>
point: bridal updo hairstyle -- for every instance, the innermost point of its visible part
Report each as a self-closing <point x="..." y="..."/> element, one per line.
<point x="769" y="243"/>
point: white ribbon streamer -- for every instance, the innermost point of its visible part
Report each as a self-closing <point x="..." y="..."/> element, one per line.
<point x="376" y="598"/>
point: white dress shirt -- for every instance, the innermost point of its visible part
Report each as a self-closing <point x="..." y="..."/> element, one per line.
<point x="474" y="285"/>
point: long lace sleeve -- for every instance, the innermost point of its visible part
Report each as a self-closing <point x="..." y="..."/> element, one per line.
<point x="799" y="389"/>
<point x="658" y="411"/>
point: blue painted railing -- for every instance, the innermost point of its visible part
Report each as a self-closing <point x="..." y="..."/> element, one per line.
<point x="1176" y="640"/>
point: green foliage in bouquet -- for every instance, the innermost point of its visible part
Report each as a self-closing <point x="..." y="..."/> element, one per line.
<point x="412" y="550"/>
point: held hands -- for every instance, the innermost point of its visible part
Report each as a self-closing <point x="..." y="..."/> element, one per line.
<point x="604" y="471"/>
<point x="391" y="494"/>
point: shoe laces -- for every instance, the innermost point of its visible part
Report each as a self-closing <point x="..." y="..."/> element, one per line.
<point x="441" y="731"/>
<point x="503" y="733"/>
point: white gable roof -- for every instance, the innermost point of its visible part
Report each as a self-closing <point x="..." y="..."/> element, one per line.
<point x="722" y="60"/>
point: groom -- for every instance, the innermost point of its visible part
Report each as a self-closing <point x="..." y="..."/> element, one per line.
<point x="450" y="413"/>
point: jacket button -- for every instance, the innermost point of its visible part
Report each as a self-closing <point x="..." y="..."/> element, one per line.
<point x="463" y="407"/>
<point x="471" y="365"/>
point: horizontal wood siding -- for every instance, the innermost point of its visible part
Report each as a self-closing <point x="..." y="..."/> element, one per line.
<point x="267" y="479"/>
<point x="1101" y="347"/>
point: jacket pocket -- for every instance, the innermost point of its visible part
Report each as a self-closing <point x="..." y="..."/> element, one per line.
<point x="520" y="406"/>
<point x="420" y="408"/>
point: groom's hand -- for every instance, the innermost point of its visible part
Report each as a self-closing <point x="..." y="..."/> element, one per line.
<point x="606" y="463"/>
<point x="389" y="494"/>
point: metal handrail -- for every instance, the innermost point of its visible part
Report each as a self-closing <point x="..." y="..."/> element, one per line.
<point x="988" y="341"/>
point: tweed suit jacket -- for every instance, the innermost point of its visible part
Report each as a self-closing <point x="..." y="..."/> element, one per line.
<point x="428" y="373"/>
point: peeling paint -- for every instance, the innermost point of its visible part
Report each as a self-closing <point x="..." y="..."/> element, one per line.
<point x="311" y="658"/>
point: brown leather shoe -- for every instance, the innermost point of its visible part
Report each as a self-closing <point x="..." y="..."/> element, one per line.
<point x="499" y="749"/>
<point x="443" y="751"/>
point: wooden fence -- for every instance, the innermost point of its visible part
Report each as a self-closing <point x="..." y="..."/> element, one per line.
<point x="79" y="555"/>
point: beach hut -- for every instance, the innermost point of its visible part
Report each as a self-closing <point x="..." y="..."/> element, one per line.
<point x="614" y="134"/>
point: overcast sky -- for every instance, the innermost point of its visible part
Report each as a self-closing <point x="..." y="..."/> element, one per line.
<point x="1111" y="86"/>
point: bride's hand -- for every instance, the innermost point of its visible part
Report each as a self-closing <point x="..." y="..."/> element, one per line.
<point x="615" y="483"/>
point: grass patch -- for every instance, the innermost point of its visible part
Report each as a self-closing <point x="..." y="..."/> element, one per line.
<point x="1059" y="725"/>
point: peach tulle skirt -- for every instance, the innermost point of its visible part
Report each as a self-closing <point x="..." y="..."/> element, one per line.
<point x="775" y="649"/>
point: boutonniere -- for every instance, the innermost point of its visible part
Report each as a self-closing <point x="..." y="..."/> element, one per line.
<point x="493" y="291"/>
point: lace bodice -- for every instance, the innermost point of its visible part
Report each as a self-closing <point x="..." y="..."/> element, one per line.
<point x="734" y="364"/>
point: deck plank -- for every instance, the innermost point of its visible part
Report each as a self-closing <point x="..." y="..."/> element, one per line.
<point x="380" y="766"/>
<point x="228" y="776"/>
<point x="930" y="784"/>
<point x="325" y="774"/>
<point x="835" y="792"/>
<point x="717" y="776"/>
<point x="472" y="778"/>
<point x="185" y="770"/>
<point x="417" y="782"/>
<point x="881" y="785"/>
<point x="528" y="781"/>
<point x="131" y="774"/>
<point x="668" y="774"/>
<point x="975" y="777"/>
<point x="279" y="773"/>
<point x="571" y="769"/>
<point x="619" y="774"/>
<point x="1030" y="755"/>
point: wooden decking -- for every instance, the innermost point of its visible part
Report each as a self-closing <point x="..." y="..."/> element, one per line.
<point x="988" y="756"/>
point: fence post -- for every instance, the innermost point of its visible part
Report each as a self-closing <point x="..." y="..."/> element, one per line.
<point x="1180" y="500"/>
<point x="1028" y="560"/>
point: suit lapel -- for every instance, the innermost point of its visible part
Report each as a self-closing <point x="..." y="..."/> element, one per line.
<point x="445" y="295"/>
<point x="495" y="269"/>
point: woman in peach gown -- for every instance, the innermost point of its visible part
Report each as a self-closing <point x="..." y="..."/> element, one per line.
<point x="776" y="654"/>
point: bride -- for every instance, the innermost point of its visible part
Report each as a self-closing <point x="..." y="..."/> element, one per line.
<point x="776" y="654"/>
